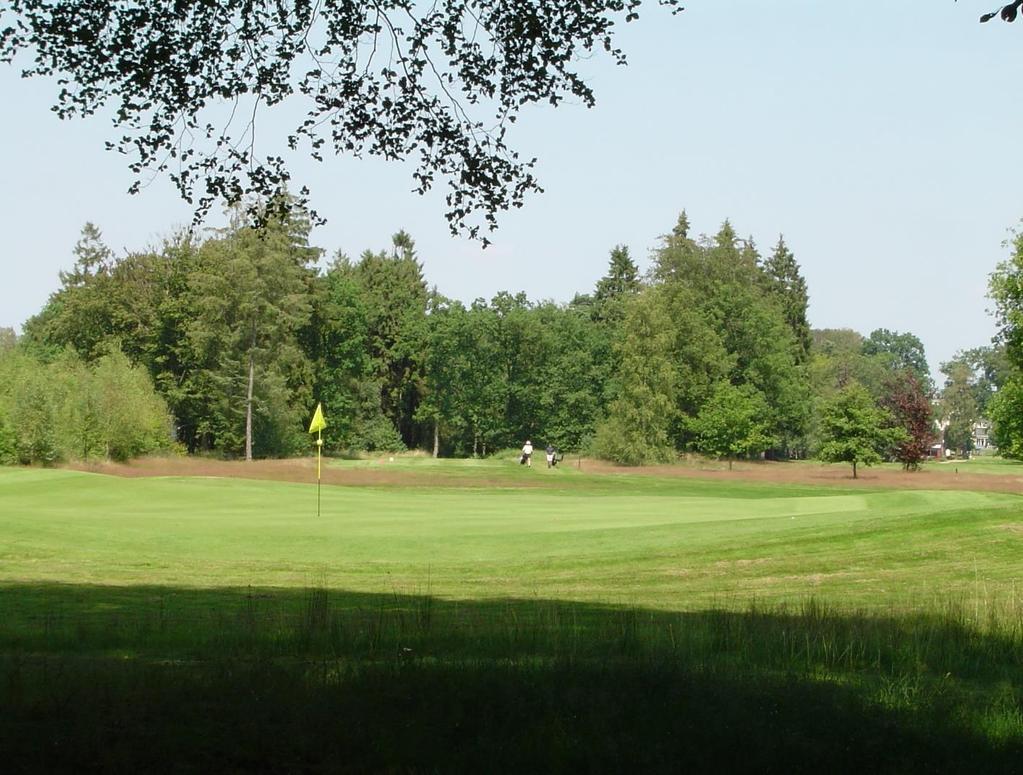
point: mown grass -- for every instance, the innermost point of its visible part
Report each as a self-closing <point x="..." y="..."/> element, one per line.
<point x="646" y="624"/>
<point x="671" y="544"/>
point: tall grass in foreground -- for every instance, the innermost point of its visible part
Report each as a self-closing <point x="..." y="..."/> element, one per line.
<point x="276" y="680"/>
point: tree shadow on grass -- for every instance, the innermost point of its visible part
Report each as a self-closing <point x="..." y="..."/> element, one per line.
<point x="172" y="679"/>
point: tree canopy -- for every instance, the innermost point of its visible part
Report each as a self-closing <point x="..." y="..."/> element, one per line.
<point x="437" y="83"/>
<point x="905" y="351"/>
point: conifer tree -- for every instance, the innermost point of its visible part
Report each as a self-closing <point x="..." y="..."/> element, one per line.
<point x="345" y="376"/>
<point x="675" y="259"/>
<point x="680" y="231"/>
<point x="250" y="297"/>
<point x="786" y="283"/>
<point x="620" y="282"/>
<point x="80" y="314"/>
<point x="92" y="257"/>
<point x="636" y="430"/>
<point x="396" y="297"/>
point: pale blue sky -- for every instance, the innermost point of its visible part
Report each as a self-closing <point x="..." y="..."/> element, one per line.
<point x="882" y="138"/>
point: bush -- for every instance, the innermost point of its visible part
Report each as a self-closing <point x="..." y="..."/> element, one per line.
<point x="133" y="419"/>
<point x="379" y="435"/>
<point x="62" y="410"/>
<point x="619" y="442"/>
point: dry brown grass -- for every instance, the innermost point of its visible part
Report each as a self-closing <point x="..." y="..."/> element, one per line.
<point x="379" y="473"/>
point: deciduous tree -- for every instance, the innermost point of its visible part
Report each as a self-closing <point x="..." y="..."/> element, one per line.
<point x="734" y="423"/>
<point x="444" y="355"/>
<point x="1006" y="289"/>
<point x="855" y="430"/>
<point x="910" y="407"/>
<point x="903" y="351"/>
<point x="1007" y="13"/>
<point x="958" y="406"/>
<point x="1006" y="412"/>
<point x="991" y="371"/>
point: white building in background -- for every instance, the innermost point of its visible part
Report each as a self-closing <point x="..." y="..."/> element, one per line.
<point x="981" y="435"/>
<point x="982" y="441"/>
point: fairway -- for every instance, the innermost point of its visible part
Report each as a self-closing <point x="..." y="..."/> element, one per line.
<point x="659" y="543"/>
<point x="561" y="620"/>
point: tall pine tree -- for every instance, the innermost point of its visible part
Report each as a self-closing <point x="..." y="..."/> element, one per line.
<point x="395" y="295"/>
<point x="639" y="420"/>
<point x="250" y="298"/>
<point x="785" y="282"/>
<point x="620" y="282"/>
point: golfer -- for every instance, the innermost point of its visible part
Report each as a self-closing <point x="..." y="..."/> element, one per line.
<point x="551" y="452"/>
<point x="527" y="453"/>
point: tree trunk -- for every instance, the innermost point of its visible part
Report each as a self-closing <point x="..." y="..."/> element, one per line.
<point x="436" y="438"/>
<point x="248" y="408"/>
<point x="854" y="469"/>
<point x="729" y="464"/>
<point x="475" y="444"/>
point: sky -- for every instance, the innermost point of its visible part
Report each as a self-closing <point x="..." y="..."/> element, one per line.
<point x="881" y="138"/>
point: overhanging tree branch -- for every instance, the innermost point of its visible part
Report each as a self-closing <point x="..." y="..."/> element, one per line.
<point x="1008" y="12"/>
<point x="456" y="74"/>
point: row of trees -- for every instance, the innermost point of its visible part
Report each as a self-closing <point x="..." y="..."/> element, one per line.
<point x="241" y="332"/>
<point x="711" y="350"/>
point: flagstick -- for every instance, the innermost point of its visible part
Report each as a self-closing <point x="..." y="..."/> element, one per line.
<point x="319" y="449"/>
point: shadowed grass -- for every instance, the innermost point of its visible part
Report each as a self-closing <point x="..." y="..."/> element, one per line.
<point x="172" y="679"/>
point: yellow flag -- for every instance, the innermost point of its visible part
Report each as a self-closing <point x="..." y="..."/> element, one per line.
<point x="318" y="423"/>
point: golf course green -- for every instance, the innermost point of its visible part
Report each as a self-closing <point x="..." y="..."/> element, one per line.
<point x="655" y="542"/>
